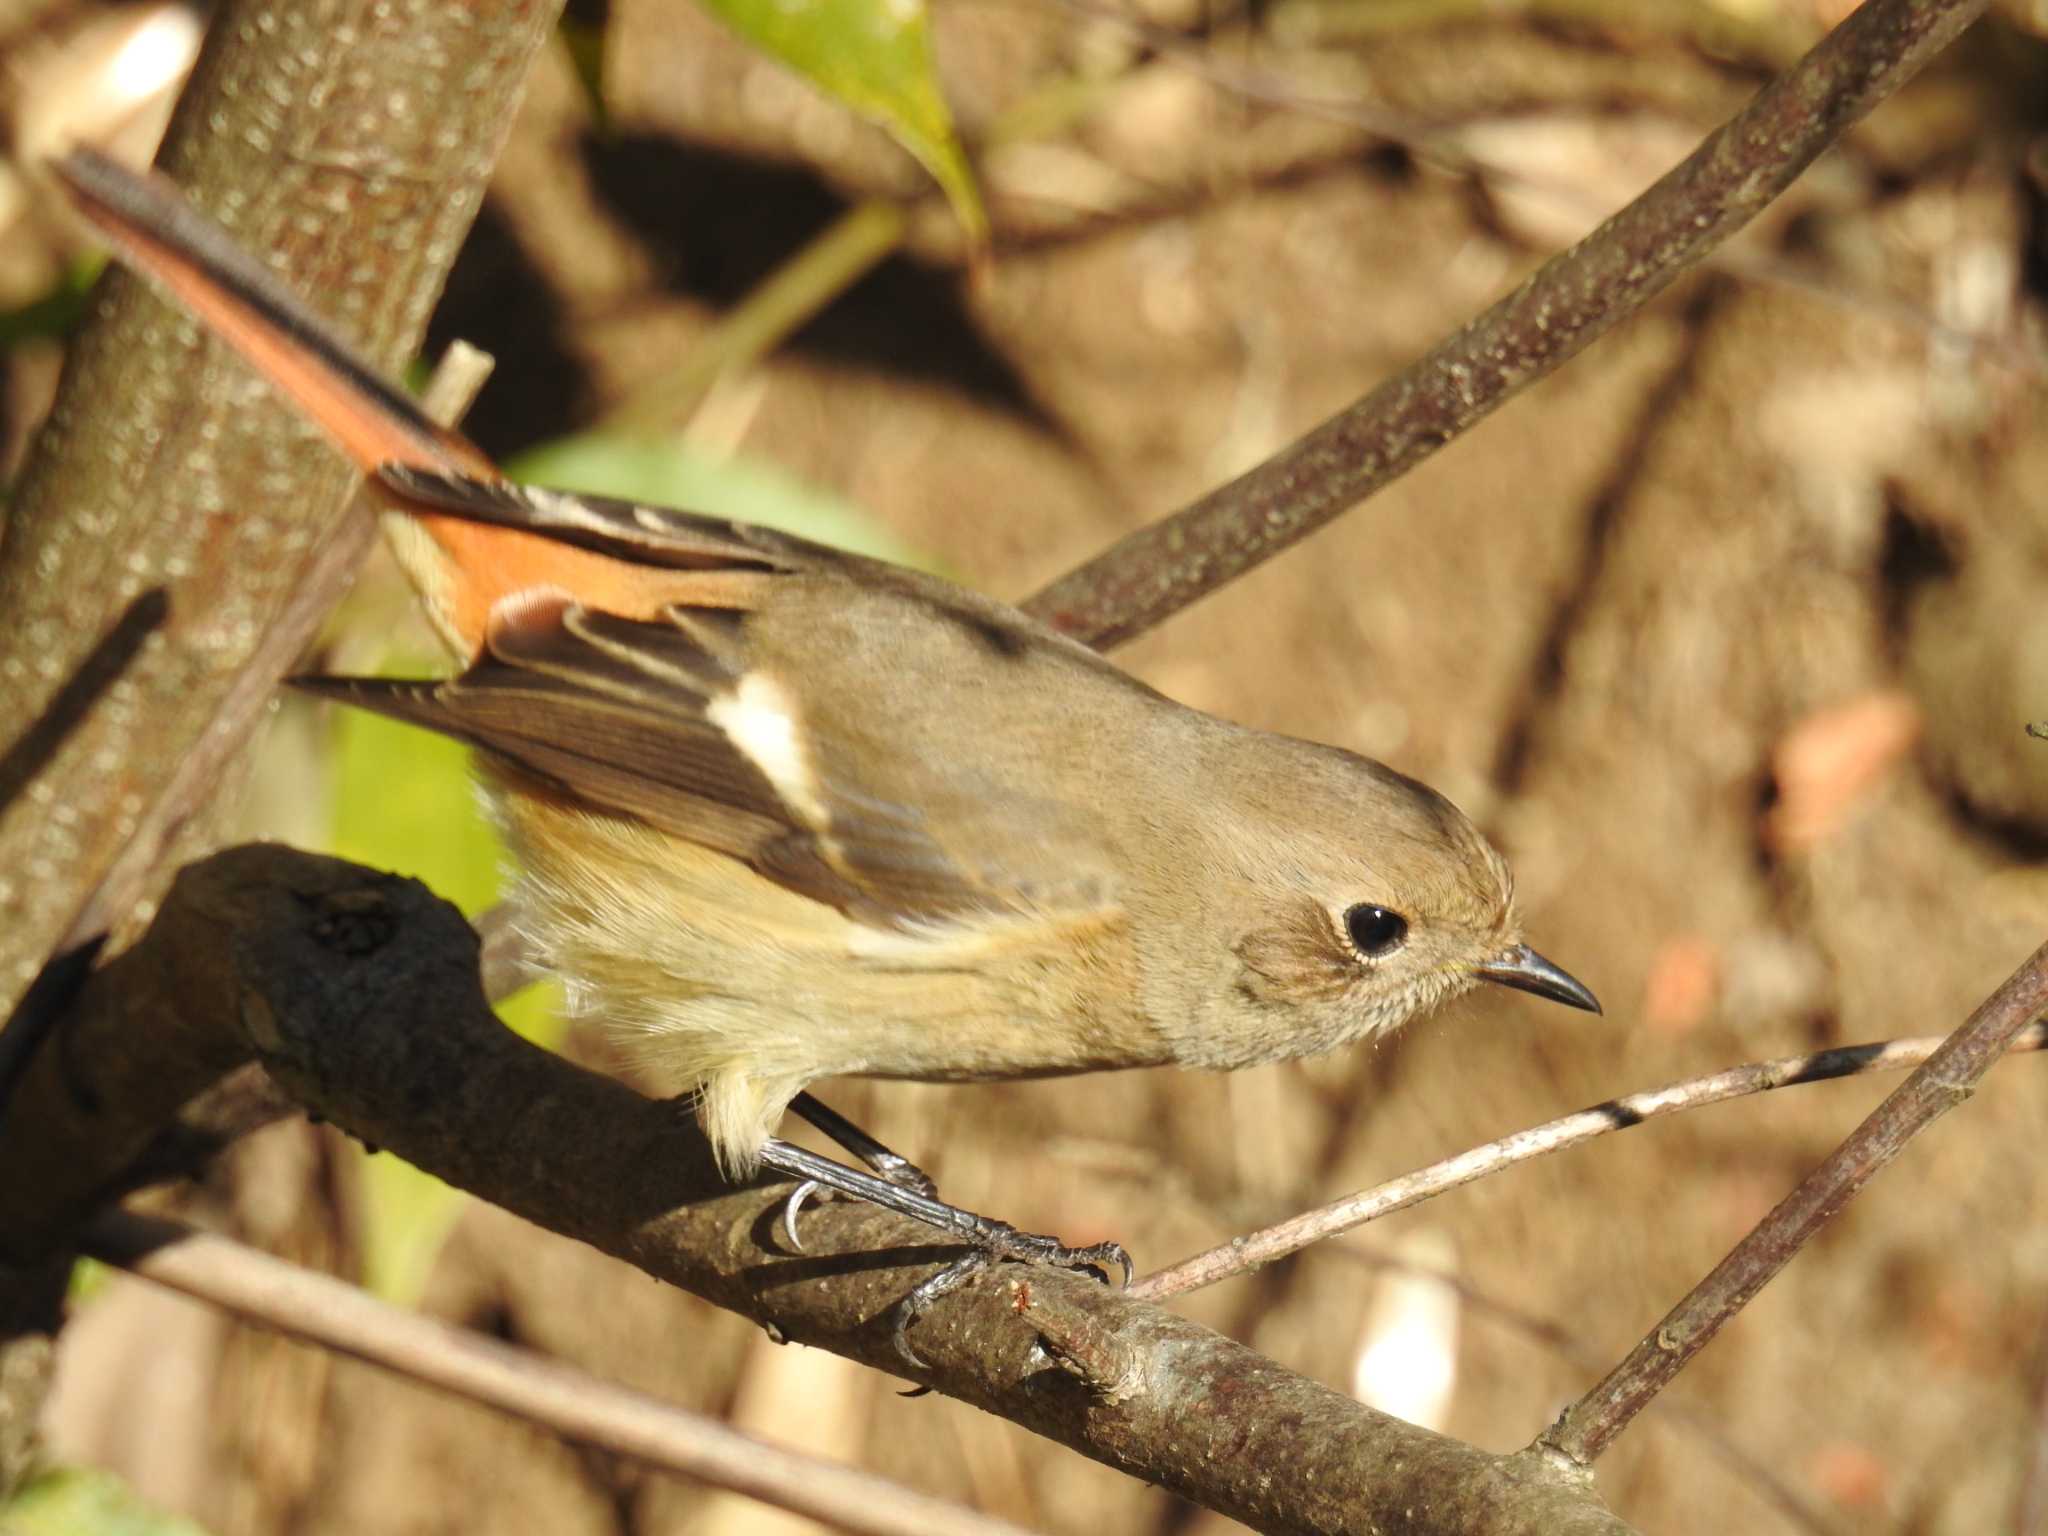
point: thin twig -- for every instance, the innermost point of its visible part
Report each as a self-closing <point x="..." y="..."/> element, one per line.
<point x="1443" y="146"/>
<point x="1277" y="1241"/>
<point x="1569" y="302"/>
<point x="1949" y="1076"/>
<point x="319" y="1309"/>
<point x="784" y="302"/>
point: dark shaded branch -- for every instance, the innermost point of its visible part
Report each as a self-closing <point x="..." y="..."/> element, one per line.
<point x="1950" y="1075"/>
<point x="30" y="753"/>
<point x="1570" y="301"/>
<point x="358" y="992"/>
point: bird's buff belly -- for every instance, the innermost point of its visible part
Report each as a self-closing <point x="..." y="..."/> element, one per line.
<point x="727" y="984"/>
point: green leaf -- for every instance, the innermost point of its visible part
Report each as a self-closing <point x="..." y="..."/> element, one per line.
<point x="875" y="56"/>
<point x="405" y="801"/>
<point x="666" y="473"/>
<point x="72" y="1501"/>
<point x="89" y="1277"/>
<point x="57" y="313"/>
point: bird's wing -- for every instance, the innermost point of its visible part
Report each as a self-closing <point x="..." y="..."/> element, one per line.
<point x="806" y="761"/>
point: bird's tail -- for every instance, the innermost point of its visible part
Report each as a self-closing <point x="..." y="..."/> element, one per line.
<point x="463" y="569"/>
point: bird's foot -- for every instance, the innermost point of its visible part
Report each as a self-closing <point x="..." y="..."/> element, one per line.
<point x="999" y="1240"/>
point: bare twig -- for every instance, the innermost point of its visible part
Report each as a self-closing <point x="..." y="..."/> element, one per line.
<point x="1290" y="1236"/>
<point x="1570" y="301"/>
<point x="1949" y="1076"/>
<point x="321" y="1310"/>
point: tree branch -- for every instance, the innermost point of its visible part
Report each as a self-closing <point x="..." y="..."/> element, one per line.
<point x="319" y="1309"/>
<point x="1243" y="1254"/>
<point x="162" y="465"/>
<point x="358" y="992"/>
<point x="1571" y="301"/>
<point x="1949" y="1076"/>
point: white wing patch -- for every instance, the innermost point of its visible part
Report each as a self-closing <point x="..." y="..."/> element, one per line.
<point x="759" y="718"/>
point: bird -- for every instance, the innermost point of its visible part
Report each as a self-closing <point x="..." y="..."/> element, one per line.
<point x="785" y="814"/>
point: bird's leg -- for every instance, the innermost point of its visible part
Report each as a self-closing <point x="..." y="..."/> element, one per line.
<point x="890" y="1164"/>
<point x="885" y="1161"/>
<point x="990" y="1239"/>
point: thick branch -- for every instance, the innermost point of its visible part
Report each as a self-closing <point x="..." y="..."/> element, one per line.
<point x="164" y="466"/>
<point x="359" y="993"/>
<point x="1570" y="302"/>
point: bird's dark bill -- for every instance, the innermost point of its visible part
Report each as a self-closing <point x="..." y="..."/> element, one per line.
<point x="1526" y="971"/>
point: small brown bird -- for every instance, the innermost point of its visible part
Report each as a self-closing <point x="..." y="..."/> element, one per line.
<point x="787" y="814"/>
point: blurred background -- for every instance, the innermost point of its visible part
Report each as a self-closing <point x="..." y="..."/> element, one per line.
<point x="1729" y="634"/>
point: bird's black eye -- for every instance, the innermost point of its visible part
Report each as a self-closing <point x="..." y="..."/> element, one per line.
<point x="1376" y="931"/>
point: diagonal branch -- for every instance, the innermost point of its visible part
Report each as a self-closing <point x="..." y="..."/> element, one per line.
<point x="1242" y="1254"/>
<point x="1571" y="301"/>
<point x="320" y="1309"/>
<point x="1950" y="1076"/>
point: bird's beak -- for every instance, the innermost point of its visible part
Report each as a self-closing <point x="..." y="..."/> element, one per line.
<point x="1526" y="971"/>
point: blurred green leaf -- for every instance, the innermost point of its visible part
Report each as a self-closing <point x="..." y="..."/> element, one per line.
<point x="666" y="473"/>
<point x="405" y="801"/>
<point x="876" y="56"/>
<point x="57" y="313"/>
<point x="88" y="1278"/>
<point x="72" y="1501"/>
<point x="408" y="1215"/>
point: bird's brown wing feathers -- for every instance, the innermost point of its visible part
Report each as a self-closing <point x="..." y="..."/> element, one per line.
<point x="674" y="721"/>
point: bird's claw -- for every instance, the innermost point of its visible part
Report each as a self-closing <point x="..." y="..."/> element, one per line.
<point x="793" y="1207"/>
<point x="999" y="1241"/>
<point x="898" y="1170"/>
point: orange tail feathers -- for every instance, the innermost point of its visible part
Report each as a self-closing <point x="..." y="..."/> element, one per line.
<point x="462" y="570"/>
